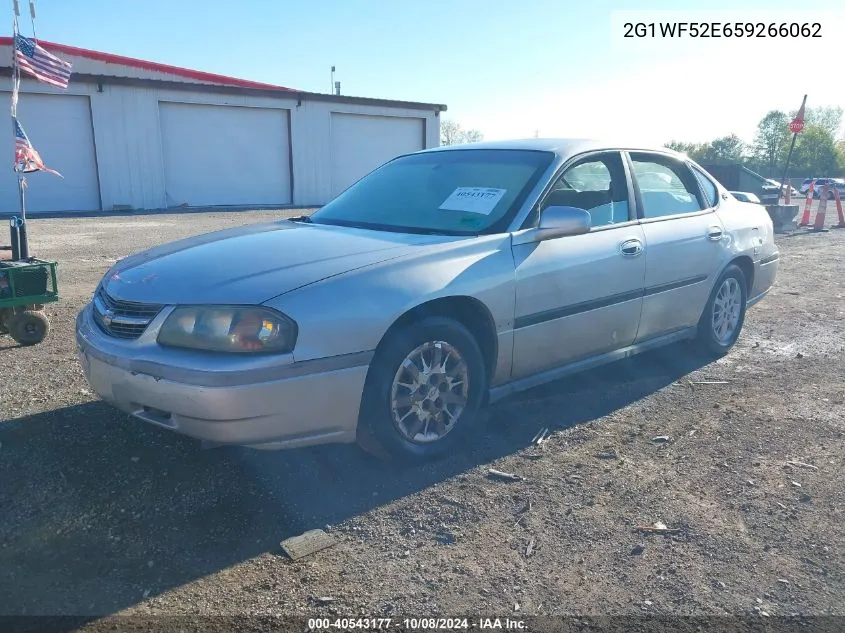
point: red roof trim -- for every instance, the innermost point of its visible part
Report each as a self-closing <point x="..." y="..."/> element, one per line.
<point x="196" y="75"/>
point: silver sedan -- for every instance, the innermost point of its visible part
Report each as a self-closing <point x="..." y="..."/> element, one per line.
<point x="442" y="281"/>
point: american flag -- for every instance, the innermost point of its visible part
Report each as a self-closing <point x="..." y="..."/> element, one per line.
<point x="27" y="159"/>
<point x="44" y="66"/>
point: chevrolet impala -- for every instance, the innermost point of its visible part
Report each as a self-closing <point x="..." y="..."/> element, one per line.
<point x="439" y="283"/>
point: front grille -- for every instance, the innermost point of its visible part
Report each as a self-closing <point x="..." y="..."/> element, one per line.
<point x="122" y="319"/>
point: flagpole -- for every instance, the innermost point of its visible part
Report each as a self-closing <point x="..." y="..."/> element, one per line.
<point x="32" y="18"/>
<point x="26" y="156"/>
<point x="792" y="145"/>
<point x="22" y="233"/>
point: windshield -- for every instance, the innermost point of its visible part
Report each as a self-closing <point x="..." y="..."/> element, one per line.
<point x="456" y="192"/>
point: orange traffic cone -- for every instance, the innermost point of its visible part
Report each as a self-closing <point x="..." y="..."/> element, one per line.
<point x="818" y="225"/>
<point x="838" y="199"/>
<point x="805" y="218"/>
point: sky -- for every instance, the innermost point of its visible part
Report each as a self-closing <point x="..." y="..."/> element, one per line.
<point x="553" y="68"/>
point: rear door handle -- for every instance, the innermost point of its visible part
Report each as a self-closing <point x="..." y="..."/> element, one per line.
<point x="631" y="248"/>
<point x="715" y="233"/>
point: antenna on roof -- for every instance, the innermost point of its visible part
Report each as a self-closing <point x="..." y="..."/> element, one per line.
<point x="332" y="84"/>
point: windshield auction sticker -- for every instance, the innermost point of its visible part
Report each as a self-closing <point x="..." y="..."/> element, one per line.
<point x="473" y="200"/>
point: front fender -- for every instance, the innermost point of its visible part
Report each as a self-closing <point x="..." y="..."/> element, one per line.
<point x="350" y="313"/>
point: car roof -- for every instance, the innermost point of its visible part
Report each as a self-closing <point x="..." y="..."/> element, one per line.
<point x="561" y="146"/>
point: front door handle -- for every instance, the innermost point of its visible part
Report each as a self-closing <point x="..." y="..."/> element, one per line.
<point x="715" y="233"/>
<point x="631" y="248"/>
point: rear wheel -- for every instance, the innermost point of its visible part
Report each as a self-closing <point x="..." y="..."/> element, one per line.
<point x="424" y="391"/>
<point x="724" y="314"/>
<point x="28" y="327"/>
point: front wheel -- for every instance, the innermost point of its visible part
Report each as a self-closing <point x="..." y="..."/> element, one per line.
<point x="28" y="327"/>
<point x="424" y="390"/>
<point x="724" y="314"/>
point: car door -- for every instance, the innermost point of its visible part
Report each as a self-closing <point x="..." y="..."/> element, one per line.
<point x="685" y="242"/>
<point x="580" y="295"/>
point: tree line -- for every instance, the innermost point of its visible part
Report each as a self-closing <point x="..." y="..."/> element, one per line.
<point x="452" y="133"/>
<point x="819" y="150"/>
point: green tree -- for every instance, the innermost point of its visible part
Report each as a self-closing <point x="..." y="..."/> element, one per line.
<point x="682" y="147"/>
<point x="696" y="151"/>
<point x="816" y="153"/>
<point x="725" y="149"/>
<point x="771" y="142"/>
<point x="840" y="153"/>
<point x="829" y="119"/>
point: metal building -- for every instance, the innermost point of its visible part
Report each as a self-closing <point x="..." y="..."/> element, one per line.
<point x="132" y="134"/>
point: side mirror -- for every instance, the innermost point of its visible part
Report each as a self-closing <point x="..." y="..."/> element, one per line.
<point x="561" y="221"/>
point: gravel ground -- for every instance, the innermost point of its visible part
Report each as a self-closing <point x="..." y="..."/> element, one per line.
<point x="101" y="514"/>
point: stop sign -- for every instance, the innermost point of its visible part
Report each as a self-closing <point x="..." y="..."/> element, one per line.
<point x="796" y="125"/>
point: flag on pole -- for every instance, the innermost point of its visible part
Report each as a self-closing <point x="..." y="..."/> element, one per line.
<point x="27" y="159"/>
<point x="41" y="64"/>
<point x="801" y="110"/>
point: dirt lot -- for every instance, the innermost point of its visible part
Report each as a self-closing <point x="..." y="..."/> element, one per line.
<point x="101" y="514"/>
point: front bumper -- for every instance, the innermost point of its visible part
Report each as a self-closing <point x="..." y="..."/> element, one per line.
<point x="315" y="402"/>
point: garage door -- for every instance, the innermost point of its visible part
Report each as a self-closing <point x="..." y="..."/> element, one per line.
<point x="225" y="155"/>
<point x="59" y="126"/>
<point x="360" y="143"/>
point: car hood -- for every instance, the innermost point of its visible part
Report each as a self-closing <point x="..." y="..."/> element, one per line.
<point x="254" y="263"/>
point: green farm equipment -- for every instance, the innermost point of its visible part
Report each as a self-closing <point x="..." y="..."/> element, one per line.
<point x="25" y="287"/>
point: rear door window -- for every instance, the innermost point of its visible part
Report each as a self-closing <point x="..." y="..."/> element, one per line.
<point x="711" y="193"/>
<point x="667" y="186"/>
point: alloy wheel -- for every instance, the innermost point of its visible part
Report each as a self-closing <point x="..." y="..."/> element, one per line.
<point x="429" y="392"/>
<point x="727" y="309"/>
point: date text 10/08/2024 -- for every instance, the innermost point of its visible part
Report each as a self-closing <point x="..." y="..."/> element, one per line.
<point x="415" y="624"/>
<point x="719" y="29"/>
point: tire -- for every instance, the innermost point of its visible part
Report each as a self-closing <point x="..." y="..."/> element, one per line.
<point x="397" y="423"/>
<point x="28" y="327"/>
<point x="714" y="337"/>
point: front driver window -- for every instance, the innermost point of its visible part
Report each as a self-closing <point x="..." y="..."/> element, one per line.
<point x="596" y="184"/>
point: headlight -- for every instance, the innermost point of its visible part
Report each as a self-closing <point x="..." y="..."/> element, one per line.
<point x="228" y="329"/>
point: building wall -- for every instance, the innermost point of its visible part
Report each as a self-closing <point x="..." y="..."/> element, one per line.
<point x="130" y="160"/>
